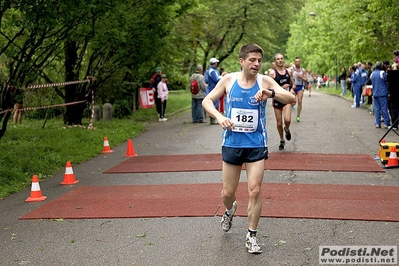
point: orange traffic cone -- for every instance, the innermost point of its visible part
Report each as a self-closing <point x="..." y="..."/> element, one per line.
<point x="130" y="149"/>
<point x="69" y="177"/>
<point x="106" y="148"/>
<point x="393" y="159"/>
<point x="35" y="193"/>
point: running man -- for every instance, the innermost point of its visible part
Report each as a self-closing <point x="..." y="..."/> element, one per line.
<point x="299" y="75"/>
<point x="283" y="78"/>
<point x="244" y="138"/>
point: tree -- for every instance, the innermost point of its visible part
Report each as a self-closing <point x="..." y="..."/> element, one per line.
<point x="219" y="28"/>
<point x="91" y="38"/>
<point x="343" y="33"/>
<point x="28" y="45"/>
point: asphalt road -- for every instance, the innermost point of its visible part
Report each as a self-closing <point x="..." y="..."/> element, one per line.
<point x="328" y="125"/>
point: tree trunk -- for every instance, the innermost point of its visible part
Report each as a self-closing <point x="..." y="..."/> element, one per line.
<point x="5" y="103"/>
<point x="74" y="112"/>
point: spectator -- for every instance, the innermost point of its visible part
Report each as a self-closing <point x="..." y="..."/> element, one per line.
<point x="212" y="77"/>
<point x="163" y="97"/>
<point x="309" y="82"/>
<point x="369" y="68"/>
<point x="18" y="105"/>
<point x="349" y="86"/>
<point x="197" y="111"/>
<point x="342" y="79"/>
<point x="393" y="100"/>
<point x="155" y="79"/>
<point x="319" y="81"/>
<point x="364" y="75"/>
<point x="356" y="81"/>
<point x="380" y="95"/>
<point x="386" y="65"/>
<point x="325" y="78"/>
<point x="396" y="56"/>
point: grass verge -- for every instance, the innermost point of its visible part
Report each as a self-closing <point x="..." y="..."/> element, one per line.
<point x="29" y="149"/>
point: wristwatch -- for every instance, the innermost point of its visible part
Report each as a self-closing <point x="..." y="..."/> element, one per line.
<point x="273" y="93"/>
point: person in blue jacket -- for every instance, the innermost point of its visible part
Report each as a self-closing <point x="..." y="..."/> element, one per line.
<point x="212" y="77"/>
<point x="356" y="81"/>
<point x="364" y="75"/>
<point x="380" y="95"/>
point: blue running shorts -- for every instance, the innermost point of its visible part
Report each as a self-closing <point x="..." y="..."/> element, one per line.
<point x="238" y="156"/>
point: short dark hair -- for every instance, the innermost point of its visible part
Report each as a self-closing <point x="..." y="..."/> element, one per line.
<point x="249" y="48"/>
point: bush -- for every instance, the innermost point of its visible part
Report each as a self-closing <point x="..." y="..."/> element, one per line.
<point x="122" y="108"/>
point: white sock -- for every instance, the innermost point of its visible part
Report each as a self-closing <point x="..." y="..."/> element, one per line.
<point x="229" y="212"/>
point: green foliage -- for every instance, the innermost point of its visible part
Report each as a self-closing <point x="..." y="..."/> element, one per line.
<point x="219" y="28"/>
<point x="29" y="149"/>
<point x="342" y="33"/>
<point x="122" y="108"/>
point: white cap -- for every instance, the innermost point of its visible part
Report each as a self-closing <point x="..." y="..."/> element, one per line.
<point x="214" y="60"/>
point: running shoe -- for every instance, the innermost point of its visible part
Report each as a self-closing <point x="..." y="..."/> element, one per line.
<point x="282" y="143"/>
<point x="251" y="244"/>
<point x="298" y="119"/>
<point x="227" y="220"/>
<point x="287" y="133"/>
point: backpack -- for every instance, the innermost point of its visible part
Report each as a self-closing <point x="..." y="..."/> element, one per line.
<point x="194" y="86"/>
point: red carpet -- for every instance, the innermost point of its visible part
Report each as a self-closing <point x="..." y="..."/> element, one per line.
<point x="277" y="161"/>
<point x="341" y="202"/>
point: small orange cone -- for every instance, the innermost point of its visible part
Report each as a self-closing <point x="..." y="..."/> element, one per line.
<point x="130" y="149"/>
<point x="107" y="148"/>
<point x="69" y="177"/>
<point x="393" y="159"/>
<point x="35" y="193"/>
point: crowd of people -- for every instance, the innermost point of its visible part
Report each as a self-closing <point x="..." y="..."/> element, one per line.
<point x="376" y="85"/>
<point x="292" y="77"/>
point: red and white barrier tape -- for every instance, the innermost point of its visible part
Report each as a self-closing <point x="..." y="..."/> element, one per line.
<point x="88" y="79"/>
<point x="42" y="107"/>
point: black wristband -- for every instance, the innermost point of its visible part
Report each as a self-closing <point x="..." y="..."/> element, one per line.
<point x="273" y="93"/>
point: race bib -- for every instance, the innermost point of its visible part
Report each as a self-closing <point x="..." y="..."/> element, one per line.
<point x="245" y="120"/>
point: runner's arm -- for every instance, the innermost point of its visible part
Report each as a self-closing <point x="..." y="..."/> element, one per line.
<point x="280" y="94"/>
